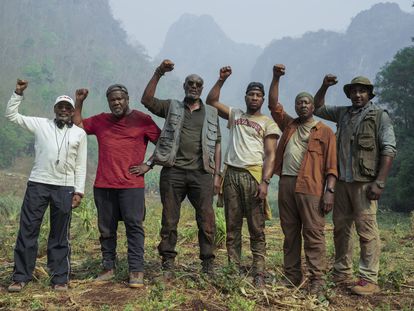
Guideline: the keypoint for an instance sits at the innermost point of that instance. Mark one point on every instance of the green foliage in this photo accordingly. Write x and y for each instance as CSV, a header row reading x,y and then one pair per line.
x,y
14,141
10,207
396,92
41,42
237,303
220,237
160,299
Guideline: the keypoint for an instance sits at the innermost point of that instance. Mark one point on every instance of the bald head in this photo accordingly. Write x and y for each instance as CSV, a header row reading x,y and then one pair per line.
x,y
193,86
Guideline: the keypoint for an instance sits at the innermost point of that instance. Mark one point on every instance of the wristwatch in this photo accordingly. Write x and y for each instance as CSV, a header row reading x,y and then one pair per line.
x,y
267,181
331,190
380,184
150,163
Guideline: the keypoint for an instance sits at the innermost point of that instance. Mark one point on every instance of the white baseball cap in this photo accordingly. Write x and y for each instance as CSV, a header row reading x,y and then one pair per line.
x,y
65,98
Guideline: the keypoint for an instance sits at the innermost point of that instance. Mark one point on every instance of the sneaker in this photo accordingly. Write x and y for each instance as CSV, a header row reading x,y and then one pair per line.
x,y
16,287
365,288
258,281
207,266
136,279
106,275
60,287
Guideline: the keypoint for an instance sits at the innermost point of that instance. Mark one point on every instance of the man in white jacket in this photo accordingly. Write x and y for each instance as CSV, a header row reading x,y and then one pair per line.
x,y
57,178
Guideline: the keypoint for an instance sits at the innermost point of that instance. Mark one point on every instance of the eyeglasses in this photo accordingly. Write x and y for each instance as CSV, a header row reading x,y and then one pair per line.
x,y
197,84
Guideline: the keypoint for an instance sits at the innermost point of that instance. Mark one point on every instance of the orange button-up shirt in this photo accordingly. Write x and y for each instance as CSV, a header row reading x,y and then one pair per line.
x,y
320,157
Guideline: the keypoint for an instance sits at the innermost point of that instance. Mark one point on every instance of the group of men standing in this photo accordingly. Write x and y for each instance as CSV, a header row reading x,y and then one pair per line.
x,y
318,172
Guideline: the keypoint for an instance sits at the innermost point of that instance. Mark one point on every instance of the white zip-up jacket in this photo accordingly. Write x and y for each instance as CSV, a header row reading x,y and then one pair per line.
x,y
60,154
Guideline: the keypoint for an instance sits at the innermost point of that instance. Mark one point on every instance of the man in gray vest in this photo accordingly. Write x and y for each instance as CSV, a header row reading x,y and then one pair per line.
x,y
189,149
366,148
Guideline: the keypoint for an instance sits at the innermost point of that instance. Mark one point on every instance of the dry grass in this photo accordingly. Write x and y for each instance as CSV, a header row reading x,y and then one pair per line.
x,y
190,290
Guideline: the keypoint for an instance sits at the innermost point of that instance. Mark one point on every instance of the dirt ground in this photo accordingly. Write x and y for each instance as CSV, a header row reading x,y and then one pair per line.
x,y
191,290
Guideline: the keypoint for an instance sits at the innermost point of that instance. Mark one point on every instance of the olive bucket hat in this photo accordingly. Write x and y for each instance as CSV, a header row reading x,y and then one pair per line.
x,y
361,81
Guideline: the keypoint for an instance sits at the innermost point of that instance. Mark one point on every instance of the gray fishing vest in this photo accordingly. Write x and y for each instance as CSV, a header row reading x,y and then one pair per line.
x,y
364,144
169,140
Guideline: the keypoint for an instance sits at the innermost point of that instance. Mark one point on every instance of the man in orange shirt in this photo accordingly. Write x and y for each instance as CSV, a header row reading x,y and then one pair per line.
x,y
306,164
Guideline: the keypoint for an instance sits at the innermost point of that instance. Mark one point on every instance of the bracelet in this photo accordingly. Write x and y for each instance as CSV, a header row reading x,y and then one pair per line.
x,y
159,72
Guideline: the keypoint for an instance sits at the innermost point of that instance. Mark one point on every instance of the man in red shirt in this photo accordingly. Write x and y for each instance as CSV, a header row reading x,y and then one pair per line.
x,y
122,137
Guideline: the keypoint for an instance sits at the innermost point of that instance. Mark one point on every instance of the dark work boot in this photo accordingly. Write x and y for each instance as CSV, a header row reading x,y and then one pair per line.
x,y
207,266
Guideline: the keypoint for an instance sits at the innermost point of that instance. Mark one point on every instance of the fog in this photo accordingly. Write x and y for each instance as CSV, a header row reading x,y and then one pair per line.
x,y
256,22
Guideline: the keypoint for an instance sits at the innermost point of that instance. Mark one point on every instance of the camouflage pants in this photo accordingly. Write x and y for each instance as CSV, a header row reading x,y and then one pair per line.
x,y
353,207
240,189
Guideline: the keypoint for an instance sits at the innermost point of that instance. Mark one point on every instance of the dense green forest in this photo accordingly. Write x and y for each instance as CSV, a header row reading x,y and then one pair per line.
x,y
396,92
59,46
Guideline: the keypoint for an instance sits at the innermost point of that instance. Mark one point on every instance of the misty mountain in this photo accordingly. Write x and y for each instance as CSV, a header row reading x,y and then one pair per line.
x,y
59,46
63,45
371,40
196,44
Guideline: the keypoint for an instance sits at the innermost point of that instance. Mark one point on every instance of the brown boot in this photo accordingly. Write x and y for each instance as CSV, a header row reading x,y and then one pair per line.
x,y
316,288
168,266
136,279
344,281
16,287
365,288
106,275
259,281
60,287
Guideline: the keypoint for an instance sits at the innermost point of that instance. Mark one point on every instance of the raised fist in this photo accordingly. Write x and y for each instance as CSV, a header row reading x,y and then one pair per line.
x,y
279,70
81,94
330,80
225,72
166,66
21,85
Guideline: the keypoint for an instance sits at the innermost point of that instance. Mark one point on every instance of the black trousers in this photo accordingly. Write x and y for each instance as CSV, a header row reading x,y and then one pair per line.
x,y
128,205
36,200
197,185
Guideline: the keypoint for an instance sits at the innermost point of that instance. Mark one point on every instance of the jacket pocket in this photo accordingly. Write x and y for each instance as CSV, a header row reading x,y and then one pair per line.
x,y
366,141
315,145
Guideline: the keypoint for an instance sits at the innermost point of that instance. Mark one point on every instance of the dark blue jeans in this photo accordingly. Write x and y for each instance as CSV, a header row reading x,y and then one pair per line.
x,y
126,205
36,200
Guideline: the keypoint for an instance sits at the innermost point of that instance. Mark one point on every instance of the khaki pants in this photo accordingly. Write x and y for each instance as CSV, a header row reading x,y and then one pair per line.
x,y
353,206
240,189
301,215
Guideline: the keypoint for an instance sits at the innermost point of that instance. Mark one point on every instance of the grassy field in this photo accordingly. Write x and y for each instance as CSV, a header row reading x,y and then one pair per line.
x,y
190,290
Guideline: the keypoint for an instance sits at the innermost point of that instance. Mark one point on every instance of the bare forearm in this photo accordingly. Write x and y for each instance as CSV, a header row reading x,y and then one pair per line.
x,y
319,99
385,167
213,100
150,89
77,116
217,158
214,94
330,181
274,93
270,157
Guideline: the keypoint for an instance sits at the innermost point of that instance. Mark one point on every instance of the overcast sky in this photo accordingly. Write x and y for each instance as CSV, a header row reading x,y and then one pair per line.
x,y
257,22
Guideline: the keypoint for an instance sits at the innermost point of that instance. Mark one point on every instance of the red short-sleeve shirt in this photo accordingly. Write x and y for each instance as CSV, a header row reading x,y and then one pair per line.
x,y
122,143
